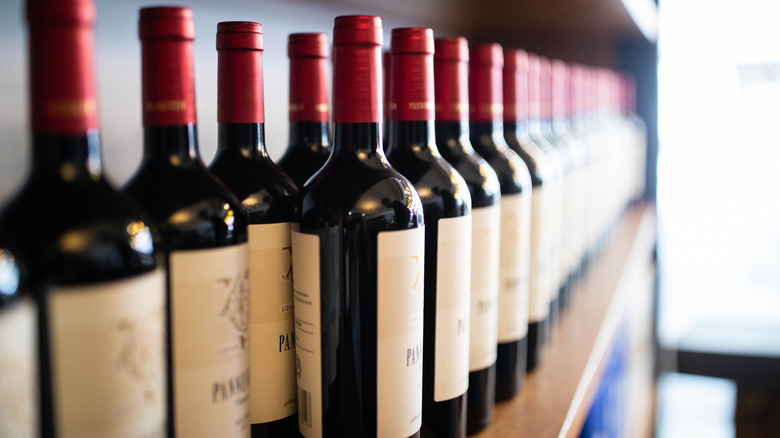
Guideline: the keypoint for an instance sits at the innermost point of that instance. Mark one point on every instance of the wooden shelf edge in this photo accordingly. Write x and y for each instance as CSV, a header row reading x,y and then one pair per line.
x,y
640,250
557,395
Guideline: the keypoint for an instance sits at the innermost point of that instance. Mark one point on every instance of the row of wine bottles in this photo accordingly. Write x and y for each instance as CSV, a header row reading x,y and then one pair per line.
x,y
248,298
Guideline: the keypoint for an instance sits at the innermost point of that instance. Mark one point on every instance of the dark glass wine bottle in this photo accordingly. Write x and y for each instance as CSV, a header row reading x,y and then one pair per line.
x,y
516,114
447,209
487,137
450,63
101,293
18,342
538,122
202,234
267,197
358,256
309,142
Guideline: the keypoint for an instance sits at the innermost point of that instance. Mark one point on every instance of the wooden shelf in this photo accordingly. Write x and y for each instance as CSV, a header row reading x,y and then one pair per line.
x,y
557,396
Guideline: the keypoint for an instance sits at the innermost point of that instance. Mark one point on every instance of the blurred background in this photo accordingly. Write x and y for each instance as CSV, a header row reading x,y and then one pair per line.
x,y
708,75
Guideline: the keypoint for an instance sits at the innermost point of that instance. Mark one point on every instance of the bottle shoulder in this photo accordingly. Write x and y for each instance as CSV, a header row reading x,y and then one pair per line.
x,y
265,192
439,185
189,206
80,233
359,191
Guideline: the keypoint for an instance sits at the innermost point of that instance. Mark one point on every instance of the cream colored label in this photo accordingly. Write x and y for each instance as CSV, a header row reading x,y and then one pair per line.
x,y
556,265
308,345
453,277
486,222
210,319
273,393
19,368
400,270
108,358
514,266
541,276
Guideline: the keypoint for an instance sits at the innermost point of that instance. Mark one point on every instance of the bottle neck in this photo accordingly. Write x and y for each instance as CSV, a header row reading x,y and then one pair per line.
x,y
309,135
70,158
247,139
453,135
174,145
362,138
413,136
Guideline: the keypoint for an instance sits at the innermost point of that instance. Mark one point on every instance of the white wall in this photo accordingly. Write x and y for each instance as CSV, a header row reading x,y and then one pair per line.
x,y
118,74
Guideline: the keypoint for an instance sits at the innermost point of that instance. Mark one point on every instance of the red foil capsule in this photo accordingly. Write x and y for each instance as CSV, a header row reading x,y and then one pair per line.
x,y
558,79
357,42
451,86
308,53
386,62
533,87
412,74
485,76
167,73
515,85
240,72
62,78
545,88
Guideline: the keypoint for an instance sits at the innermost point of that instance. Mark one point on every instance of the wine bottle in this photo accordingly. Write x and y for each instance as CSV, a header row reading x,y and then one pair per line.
x,y
558,149
202,234
358,256
574,195
309,143
101,292
267,197
447,209
18,343
450,63
538,123
516,114
487,137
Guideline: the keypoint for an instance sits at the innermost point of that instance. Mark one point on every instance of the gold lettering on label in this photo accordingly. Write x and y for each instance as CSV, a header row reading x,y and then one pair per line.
x,y
71,108
321,107
296,107
492,108
165,106
420,105
393,106
460,106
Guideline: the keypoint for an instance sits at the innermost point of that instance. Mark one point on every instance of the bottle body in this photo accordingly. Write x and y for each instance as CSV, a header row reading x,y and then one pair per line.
x,y
97,282
267,197
486,132
358,253
447,209
202,237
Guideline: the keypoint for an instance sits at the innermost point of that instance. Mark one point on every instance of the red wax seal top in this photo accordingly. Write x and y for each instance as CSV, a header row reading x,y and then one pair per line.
x,y
308,54
485,76
534,101
62,84
240,72
451,70
515,85
412,74
357,40
559,81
